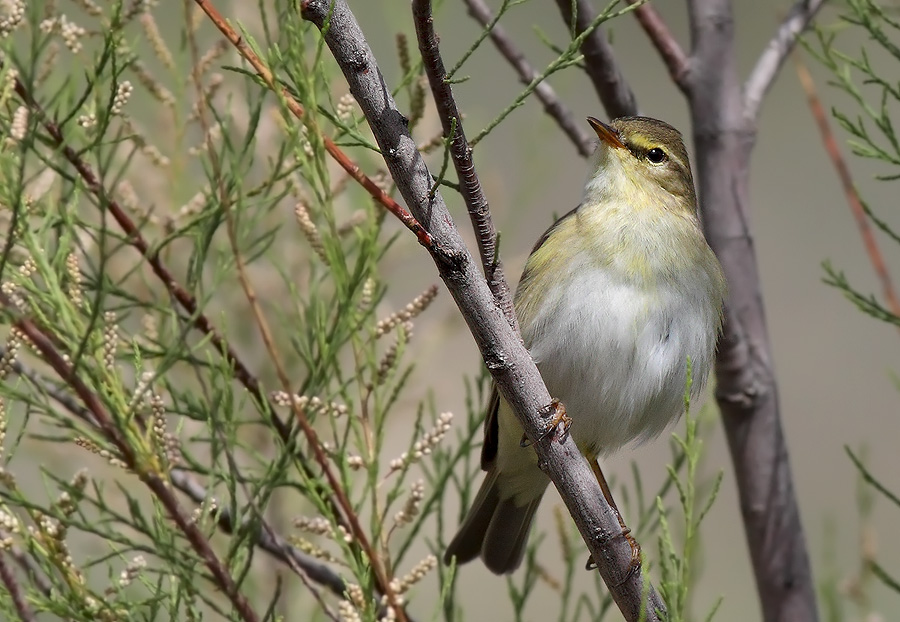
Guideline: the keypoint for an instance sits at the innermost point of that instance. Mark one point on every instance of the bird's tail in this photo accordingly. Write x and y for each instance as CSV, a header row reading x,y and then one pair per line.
x,y
495,528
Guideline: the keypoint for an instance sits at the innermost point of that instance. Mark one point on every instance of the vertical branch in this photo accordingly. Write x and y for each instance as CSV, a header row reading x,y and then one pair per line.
x,y
461,153
747,391
724,129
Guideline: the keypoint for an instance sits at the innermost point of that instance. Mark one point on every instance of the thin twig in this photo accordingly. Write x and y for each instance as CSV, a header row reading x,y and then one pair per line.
x,y
305,566
600,61
665,43
26,614
184,481
553,106
461,152
772,58
853,201
297,110
136,239
28,566
501,347
43,342
225,202
382,578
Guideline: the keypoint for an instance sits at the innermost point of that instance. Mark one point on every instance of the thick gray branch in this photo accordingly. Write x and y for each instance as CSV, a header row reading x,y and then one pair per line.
x,y
501,348
770,61
600,61
746,390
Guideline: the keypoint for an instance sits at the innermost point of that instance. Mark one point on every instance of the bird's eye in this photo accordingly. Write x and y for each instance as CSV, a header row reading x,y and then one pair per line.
x,y
657,155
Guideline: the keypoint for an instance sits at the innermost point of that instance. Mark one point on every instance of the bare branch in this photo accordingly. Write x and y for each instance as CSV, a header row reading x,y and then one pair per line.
x,y
609,83
501,347
853,201
770,61
665,43
553,106
461,153
746,388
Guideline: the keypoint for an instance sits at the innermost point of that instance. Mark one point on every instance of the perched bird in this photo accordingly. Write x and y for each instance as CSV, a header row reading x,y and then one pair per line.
x,y
616,297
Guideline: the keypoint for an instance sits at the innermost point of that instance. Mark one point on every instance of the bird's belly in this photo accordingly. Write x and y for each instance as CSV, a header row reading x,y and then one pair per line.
x,y
615,352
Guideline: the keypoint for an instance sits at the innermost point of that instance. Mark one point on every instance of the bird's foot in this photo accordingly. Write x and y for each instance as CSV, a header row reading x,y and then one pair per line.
x,y
555,411
633,565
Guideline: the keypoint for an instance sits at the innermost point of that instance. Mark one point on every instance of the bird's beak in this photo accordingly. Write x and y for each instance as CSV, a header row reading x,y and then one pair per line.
x,y
606,133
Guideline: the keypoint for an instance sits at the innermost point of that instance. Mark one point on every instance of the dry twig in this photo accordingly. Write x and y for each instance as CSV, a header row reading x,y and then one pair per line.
x,y
853,201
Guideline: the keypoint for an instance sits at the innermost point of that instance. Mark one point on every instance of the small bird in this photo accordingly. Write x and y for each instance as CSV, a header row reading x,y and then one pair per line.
x,y
616,297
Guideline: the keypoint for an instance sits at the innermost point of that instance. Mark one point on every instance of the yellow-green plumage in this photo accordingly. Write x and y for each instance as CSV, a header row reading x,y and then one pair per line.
x,y
614,300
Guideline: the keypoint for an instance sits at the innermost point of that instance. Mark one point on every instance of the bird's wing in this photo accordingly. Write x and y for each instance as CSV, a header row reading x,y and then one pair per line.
x,y
491,422
550,229
491,430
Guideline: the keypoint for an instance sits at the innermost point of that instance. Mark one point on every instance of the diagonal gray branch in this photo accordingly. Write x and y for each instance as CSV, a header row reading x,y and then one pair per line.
x,y
501,348
600,61
553,106
772,58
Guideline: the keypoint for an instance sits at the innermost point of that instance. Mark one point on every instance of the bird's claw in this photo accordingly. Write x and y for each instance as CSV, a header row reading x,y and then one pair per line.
x,y
555,411
635,557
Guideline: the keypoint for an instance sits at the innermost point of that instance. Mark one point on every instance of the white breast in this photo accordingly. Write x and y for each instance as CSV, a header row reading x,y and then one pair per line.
x,y
615,351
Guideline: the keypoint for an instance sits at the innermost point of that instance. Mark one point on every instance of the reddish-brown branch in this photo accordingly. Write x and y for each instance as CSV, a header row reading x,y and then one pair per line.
x,y
305,566
297,110
187,302
225,202
43,341
853,201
